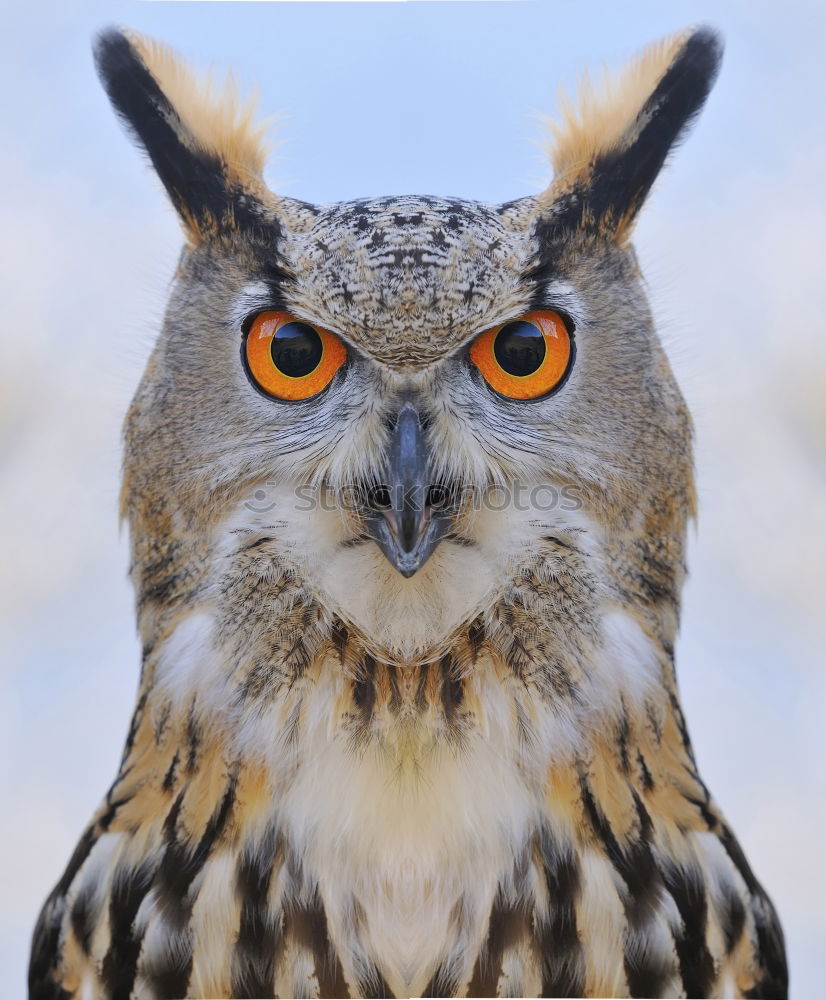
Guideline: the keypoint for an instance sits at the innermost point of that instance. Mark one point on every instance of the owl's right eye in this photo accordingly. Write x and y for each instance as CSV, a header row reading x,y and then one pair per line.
x,y
289,359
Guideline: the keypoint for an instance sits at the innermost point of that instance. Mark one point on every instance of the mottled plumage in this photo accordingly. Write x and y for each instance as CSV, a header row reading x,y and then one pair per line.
x,y
475,780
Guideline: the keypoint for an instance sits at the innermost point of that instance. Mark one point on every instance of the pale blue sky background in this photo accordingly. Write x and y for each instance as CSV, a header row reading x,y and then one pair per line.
x,y
380,98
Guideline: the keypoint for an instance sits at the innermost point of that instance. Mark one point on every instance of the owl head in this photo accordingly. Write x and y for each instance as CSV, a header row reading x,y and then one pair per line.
x,y
406,407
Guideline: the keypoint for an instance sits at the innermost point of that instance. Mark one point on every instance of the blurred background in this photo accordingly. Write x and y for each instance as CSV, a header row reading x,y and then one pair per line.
x,y
442,98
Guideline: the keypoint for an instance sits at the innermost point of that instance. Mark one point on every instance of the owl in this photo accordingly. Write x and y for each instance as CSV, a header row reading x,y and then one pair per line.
x,y
407,482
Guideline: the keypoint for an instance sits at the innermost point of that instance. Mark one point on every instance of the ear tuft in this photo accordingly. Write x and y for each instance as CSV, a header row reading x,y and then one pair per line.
x,y
219,122
613,140
202,140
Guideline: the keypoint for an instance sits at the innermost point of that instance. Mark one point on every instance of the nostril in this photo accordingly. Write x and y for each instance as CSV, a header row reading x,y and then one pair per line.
x,y
378,497
437,496
443,497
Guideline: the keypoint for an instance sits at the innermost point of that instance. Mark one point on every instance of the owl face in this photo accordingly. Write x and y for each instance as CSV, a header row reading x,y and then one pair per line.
x,y
354,387
408,312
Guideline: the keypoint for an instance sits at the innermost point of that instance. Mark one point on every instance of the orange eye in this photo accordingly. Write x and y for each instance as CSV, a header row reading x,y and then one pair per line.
x,y
290,359
526,358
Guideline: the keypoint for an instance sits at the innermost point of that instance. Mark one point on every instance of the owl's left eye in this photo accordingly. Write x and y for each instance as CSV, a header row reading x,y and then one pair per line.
x,y
290,359
526,358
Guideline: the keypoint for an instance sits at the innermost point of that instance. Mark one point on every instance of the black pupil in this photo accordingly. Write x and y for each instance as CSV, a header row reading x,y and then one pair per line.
x,y
296,349
519,348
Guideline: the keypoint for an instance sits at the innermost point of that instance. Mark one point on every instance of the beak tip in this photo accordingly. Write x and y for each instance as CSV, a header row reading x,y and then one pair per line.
x,y
407,561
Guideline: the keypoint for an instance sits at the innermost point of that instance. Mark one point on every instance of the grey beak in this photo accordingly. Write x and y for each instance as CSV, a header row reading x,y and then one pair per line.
x,y
407,529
